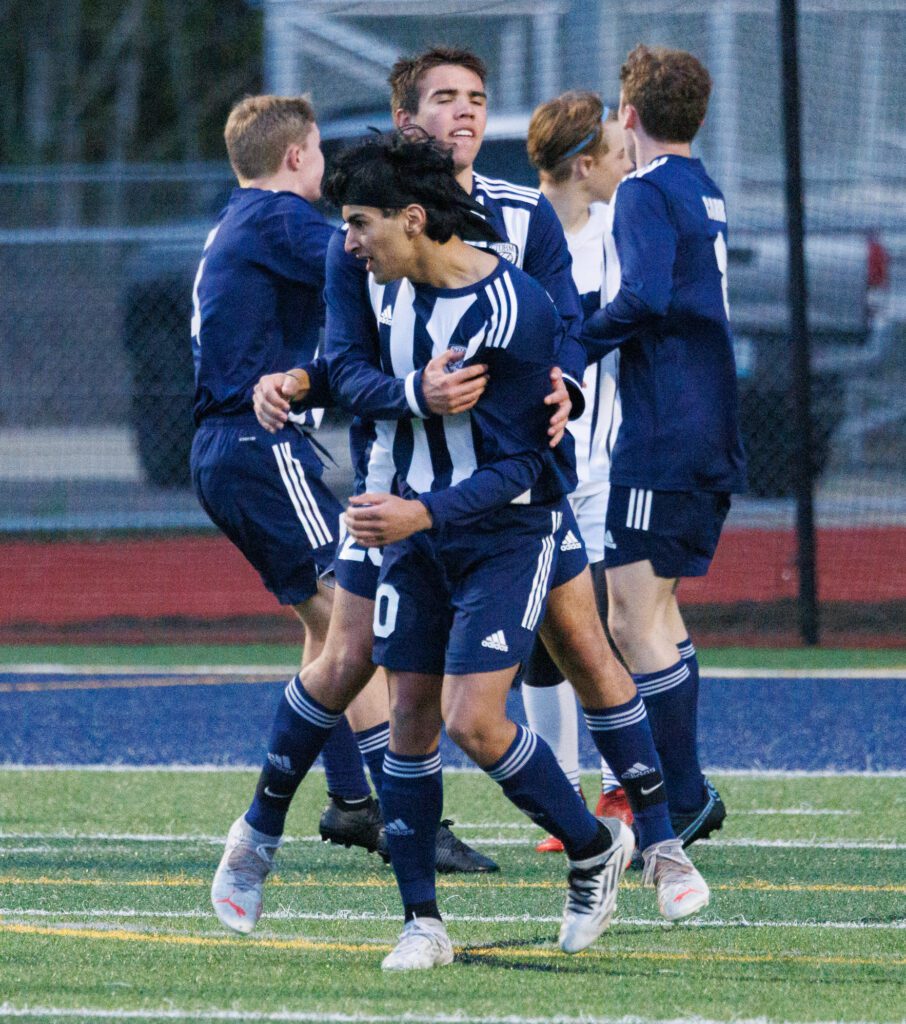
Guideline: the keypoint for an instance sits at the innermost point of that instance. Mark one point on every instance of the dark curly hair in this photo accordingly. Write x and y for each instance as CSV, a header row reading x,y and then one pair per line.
x,y
393,170
669,89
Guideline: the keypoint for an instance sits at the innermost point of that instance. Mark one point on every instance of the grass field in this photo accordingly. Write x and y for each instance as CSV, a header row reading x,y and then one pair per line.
x,y
104,912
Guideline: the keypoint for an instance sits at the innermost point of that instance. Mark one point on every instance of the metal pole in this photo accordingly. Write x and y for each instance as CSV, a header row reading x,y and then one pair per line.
x,y
801,357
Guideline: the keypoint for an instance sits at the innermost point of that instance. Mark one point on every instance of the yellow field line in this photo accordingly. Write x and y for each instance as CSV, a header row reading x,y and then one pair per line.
x,y
176,881
509,952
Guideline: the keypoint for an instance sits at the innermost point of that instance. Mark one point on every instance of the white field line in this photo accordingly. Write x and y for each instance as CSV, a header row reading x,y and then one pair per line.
x,y
282,671
493,841
728,773
9,1011
12,914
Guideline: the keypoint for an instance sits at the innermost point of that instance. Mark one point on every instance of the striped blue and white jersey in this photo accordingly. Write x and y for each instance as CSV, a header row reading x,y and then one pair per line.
x,y
532,240
465,466
597,275
670,317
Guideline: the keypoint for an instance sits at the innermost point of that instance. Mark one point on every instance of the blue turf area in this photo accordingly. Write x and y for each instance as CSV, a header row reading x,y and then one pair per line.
x,y
814,724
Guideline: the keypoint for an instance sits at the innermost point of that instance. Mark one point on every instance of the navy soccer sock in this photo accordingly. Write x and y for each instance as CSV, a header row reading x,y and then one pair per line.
x,y
690,659
343,765
623,737
301,727
670,698
530,777
373,745
412,798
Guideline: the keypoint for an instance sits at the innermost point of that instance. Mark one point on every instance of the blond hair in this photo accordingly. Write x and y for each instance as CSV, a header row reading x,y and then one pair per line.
x,y
259,130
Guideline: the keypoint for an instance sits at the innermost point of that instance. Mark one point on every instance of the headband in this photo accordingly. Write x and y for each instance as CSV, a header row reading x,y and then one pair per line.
x,y
582,143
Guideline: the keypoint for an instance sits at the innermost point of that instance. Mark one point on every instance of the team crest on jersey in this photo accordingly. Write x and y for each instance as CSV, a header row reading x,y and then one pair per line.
x,y
508,250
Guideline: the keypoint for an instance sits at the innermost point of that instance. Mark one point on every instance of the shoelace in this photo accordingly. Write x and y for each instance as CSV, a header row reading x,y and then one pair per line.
x,y
411,935
248,865
674,854
582,885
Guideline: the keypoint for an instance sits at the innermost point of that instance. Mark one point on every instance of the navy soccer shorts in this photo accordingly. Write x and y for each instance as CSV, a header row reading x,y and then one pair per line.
x,y
357,568
265,493
572,557
465,600
677,531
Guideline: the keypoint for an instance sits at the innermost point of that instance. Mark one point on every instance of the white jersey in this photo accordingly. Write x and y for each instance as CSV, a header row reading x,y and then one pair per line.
x,y
596,272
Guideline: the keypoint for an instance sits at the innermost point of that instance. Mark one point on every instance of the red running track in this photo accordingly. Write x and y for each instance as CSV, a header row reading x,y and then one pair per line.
x,y
69,582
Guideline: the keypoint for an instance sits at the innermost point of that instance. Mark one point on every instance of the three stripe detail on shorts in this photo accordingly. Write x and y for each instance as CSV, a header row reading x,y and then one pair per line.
x,y
542,574
300,495
639,514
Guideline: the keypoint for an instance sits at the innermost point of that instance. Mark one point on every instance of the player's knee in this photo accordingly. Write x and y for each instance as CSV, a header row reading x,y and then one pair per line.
x,y
340,673
413,725
473,733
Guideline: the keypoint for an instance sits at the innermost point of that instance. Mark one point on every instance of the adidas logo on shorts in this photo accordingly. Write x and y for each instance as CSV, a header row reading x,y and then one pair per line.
x,y
570,542
609,542
386,316
496,641
398,827
637,771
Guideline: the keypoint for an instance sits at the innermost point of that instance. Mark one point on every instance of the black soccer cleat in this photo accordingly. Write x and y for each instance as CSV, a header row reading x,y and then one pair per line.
x,y
694,825
701,823
451,855
359,826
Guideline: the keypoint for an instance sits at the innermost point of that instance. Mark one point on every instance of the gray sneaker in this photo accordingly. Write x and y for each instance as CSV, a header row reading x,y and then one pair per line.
x,y
592,895
423,944
236,892
681,890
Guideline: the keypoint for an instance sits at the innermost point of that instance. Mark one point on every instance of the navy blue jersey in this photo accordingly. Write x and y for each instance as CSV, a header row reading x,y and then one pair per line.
x,y
680,428
257,305
466,465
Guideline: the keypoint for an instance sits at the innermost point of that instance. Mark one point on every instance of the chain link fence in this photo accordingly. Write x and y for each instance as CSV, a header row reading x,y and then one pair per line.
x,y
95,411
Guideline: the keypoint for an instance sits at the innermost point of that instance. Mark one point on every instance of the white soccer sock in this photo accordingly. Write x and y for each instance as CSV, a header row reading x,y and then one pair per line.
x,y
551,713
609,781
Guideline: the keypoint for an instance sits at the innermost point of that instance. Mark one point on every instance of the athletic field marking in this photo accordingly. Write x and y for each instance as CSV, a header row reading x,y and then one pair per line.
x,y
318,945
368,915
301,1017
279,672
132,837
184,881
127,683
590,769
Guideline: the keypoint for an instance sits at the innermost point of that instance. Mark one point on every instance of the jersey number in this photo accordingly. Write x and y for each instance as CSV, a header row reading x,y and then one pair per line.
x,y
196,304
352,552
386,605
720,253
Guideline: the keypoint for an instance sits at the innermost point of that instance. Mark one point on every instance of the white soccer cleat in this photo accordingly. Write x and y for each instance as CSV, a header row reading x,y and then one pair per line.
x,y
236,892
681,890
423,944
592,896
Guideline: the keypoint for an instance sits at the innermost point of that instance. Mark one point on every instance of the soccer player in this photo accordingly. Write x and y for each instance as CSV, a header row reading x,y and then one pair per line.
x,y
577,145
256,306
480,510
678,454
442,92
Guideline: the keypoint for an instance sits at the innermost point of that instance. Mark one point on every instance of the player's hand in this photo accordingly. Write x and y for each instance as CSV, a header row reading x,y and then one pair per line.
x,y
560,398
448,393
378,519
273,394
